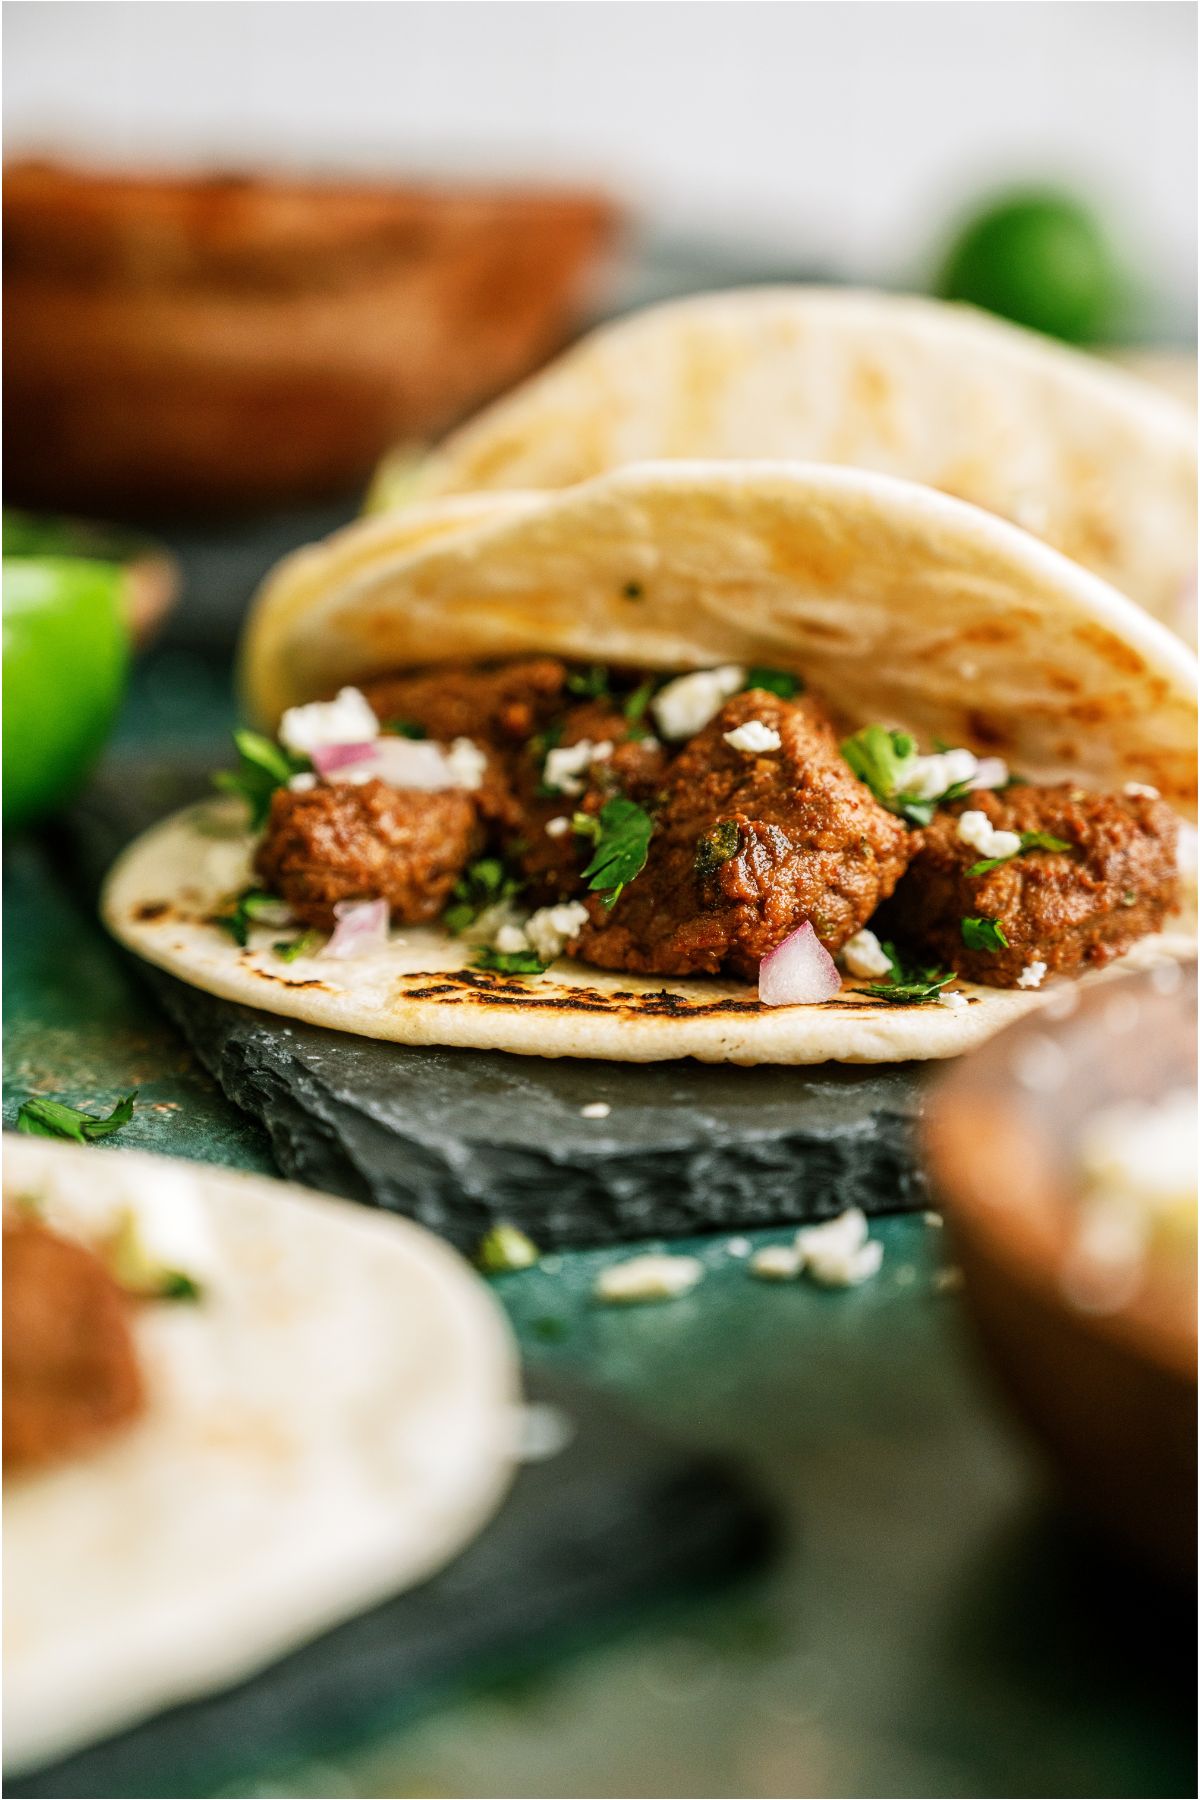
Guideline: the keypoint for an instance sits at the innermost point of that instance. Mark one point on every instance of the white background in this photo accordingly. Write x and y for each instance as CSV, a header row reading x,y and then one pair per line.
x,y
841,133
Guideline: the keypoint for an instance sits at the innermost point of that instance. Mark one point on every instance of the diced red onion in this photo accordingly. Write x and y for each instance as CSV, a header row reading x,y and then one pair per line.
x,y
328,757
798,972
362,926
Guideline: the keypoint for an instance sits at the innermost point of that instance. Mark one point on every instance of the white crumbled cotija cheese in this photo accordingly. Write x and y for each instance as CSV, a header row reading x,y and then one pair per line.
x,y
595,1109
776,1262
685,705
953,1000
1140,790
846,1268
976,829
566,766
1032,975
510,940
300,784
863,955
346,720
549,929
990,773
738,1246
558,827
753,737
928,777
466,762
847,1232
649,1277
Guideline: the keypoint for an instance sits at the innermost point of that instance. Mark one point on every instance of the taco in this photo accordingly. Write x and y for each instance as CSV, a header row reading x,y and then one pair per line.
x,y
203,1468
624,771
1085,456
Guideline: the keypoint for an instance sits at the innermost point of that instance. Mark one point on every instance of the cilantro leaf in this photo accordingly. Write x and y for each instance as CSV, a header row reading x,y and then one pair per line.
x,y
1030,840
621,848
635,707
907,985
50,1118
882,759
482,884
404,728
984,934
287,950
774,681
255,903
589,684
263,767
716,846
510,962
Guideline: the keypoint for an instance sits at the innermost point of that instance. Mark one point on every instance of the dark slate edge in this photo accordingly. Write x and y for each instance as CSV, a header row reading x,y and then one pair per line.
x,y
619,1519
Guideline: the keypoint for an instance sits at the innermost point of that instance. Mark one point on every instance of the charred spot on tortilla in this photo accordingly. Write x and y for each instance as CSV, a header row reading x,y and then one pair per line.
x,y
150,910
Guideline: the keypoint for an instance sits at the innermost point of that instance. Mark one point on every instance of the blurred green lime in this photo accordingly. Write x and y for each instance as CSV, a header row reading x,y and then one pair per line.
x,y
66,649
1042,258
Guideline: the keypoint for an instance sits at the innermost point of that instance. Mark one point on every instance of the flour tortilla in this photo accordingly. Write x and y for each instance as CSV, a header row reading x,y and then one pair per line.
x,y
1096,462
896,603
330,1424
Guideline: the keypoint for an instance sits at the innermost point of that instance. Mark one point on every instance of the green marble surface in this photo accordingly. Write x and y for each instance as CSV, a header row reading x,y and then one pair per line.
x,y
931,1626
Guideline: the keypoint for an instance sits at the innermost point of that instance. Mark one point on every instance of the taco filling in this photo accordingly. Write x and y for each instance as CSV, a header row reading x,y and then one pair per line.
x,y
682,825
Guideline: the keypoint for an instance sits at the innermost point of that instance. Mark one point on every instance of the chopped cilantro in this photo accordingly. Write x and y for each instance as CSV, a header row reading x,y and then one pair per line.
x,y
984,934
405,728
255,903
263,767
716,846
774,681
288,949
482,884
505,1247
1030,840
510,962
589,684
50,1118
884,760
907,985
586,825
621,847
635,707
178,1286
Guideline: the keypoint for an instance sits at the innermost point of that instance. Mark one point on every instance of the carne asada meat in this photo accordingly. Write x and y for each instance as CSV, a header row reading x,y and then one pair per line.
x,y
632,763
70,1369
505,705
1065,909
748,844
346,841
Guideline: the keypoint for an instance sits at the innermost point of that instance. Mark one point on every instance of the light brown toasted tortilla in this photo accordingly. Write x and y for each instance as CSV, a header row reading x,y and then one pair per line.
x,y
1096,462
896,604
328,1424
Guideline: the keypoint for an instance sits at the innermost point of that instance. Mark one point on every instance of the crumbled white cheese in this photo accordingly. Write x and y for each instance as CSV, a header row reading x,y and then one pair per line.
x,y
486,929
928,777
551,927
776,1262
567,765
595,1109
686,705
346,720
846,1268
1140,790
300,784
953,1000
845,1233
754,737
1032,975
976,829
542,1431
992,772
650,1277
510,940
466,762
558,827
864,956
738,1246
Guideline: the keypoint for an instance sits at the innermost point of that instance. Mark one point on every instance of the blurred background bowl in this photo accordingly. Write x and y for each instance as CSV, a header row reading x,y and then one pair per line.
x,y
206,344
1100,1361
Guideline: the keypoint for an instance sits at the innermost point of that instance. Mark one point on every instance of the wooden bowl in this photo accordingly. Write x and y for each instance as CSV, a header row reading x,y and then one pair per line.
x,y
215,344
1107,1382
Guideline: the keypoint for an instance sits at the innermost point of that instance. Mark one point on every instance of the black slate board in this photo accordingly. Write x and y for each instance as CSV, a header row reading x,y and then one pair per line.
x,y
459,1138
617,1520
